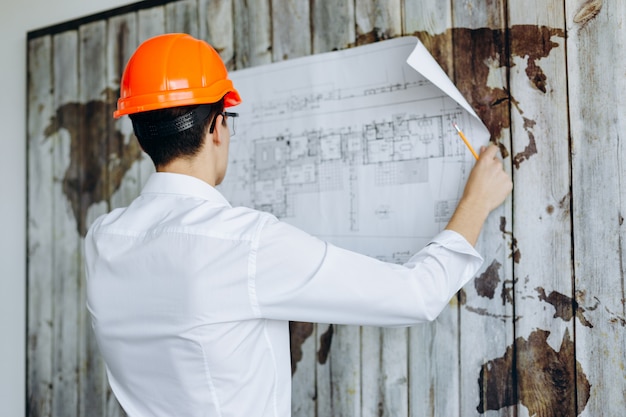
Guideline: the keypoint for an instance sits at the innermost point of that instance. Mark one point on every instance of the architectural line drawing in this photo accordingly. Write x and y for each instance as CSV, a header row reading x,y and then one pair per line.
x,y
368,160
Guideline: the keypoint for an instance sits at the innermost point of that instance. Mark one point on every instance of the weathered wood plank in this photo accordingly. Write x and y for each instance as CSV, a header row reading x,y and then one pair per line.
x,y
433,367
150,22
302,338
596,61
40,230
67,241
377,20
433,352
182,17
540,155
431,22
486,313
291,29
395,373
92,161
334,25
216,27
372,396
325,334
124,151
253,35
345,367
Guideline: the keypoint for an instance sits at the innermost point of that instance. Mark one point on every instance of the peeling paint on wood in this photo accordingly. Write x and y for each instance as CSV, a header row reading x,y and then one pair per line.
x,y
472,72
565,307
487,282
515,252
531,148
325,341
299,332
86,156
546,378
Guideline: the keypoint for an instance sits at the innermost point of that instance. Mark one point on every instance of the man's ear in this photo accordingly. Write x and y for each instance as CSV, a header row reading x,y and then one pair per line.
x,y
216,135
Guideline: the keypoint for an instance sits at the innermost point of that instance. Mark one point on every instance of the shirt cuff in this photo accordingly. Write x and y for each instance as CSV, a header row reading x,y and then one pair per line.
x,y
454,241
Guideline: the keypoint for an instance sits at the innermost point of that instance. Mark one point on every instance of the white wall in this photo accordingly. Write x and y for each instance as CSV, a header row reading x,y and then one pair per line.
x,y
18,18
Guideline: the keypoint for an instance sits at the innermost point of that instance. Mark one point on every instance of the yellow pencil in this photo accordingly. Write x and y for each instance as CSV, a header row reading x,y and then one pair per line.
x,y
465,140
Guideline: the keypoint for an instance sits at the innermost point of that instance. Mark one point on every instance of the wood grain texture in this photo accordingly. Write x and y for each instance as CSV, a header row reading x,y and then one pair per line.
x,y
303,363
67,241
124,151
150,22
372,396
40,349
323,382
486,318
334,26
433,352
291,29
182,17
216,27
431,22
377,20
345,375
253,35
91,155
540,155
596,60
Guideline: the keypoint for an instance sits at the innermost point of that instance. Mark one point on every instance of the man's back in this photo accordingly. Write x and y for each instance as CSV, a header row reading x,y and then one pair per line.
x,y
170,299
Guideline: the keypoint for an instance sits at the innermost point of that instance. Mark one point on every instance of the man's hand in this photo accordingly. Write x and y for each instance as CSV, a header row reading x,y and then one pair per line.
x,y
487,187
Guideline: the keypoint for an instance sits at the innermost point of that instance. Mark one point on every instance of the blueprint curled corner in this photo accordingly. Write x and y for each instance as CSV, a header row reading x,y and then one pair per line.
x,y
423,62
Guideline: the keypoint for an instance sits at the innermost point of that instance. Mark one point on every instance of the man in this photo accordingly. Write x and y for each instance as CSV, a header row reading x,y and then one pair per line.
x,y
190,298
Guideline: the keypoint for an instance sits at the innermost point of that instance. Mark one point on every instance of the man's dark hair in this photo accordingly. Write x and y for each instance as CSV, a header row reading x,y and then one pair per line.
x,y
160,134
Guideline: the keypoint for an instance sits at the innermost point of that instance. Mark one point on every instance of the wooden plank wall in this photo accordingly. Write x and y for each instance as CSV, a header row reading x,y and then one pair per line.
x,y
542,329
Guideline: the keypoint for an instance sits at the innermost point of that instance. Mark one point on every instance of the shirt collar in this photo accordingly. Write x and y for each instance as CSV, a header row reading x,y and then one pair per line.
x,y
180,184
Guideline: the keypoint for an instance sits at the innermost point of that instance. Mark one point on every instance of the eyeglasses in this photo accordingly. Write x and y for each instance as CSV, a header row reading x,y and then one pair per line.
x,y
226,115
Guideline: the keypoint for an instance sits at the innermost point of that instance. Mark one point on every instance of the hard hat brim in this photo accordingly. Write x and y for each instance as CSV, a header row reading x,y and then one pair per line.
x,y
178,98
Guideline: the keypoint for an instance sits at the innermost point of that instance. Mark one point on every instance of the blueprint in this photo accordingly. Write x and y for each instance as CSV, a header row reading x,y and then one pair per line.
x,y
356,147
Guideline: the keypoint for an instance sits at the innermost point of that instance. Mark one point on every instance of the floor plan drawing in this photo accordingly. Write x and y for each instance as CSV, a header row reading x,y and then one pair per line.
x,y
356,147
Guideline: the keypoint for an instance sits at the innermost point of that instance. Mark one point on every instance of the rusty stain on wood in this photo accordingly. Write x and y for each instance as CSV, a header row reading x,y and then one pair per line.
x,y
86,157
587,11
565,307
474,48
325,342
375,35
507,291
531,148
488,281
515,252
547,379
299,332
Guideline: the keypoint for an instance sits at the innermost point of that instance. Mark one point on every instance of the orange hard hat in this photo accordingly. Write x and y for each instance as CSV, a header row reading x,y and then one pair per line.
x,y
174,70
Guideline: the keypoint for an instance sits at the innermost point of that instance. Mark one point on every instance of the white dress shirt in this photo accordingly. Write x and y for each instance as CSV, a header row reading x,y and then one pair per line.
x,y
190,298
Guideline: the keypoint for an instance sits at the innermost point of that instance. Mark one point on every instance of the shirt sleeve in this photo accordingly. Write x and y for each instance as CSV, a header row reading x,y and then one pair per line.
x,y
301,278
